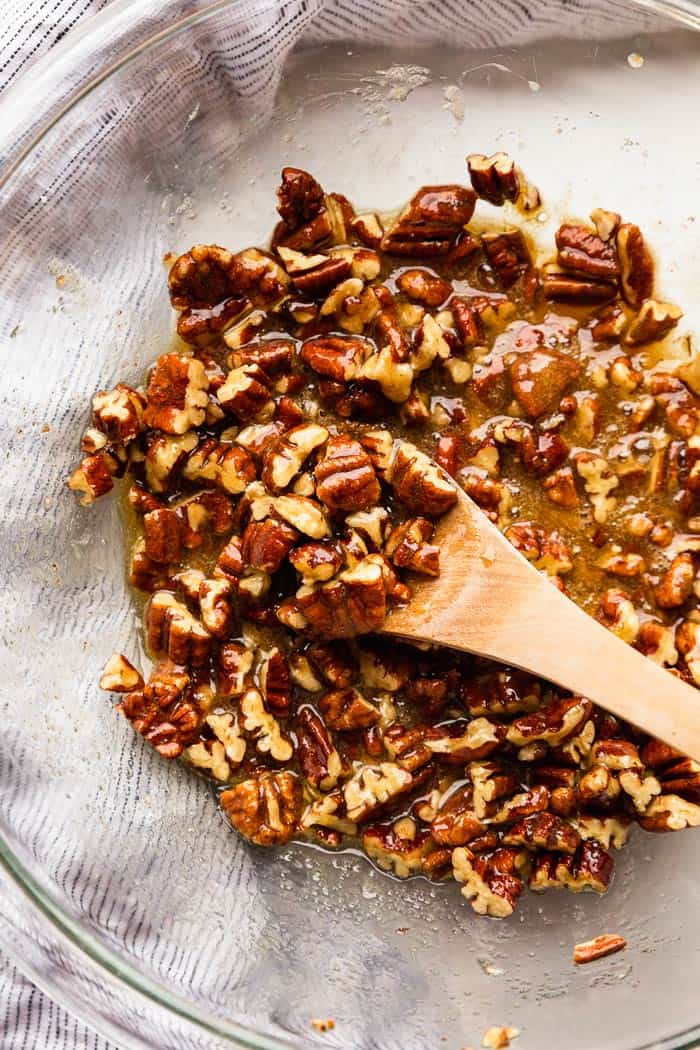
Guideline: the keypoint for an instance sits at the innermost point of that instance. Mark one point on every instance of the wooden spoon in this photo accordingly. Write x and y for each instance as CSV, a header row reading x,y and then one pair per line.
x,y
489,600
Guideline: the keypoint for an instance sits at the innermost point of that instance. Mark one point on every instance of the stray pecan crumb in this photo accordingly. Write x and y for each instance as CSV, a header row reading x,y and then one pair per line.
x,y
598,948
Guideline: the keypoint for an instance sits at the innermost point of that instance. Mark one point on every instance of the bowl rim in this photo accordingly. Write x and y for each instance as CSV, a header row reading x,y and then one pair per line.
x,y
46,90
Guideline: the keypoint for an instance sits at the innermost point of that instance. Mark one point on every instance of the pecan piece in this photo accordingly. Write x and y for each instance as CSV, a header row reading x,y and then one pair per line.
x,y
509,255
118,413
347,710
540,377
676,585
598,948
221,464
489,882
246,395
399,847
166,711
543,831
93,478
636,265
337,356
265,544
353,603
319,759
552,724
431,221
120,675
495,178
653,322
424,287
171,628
345,478
215,607
408,547
235,665
263,727
299,197
176,395
569,288
455,822
583,252
371,787
670,813
163,534
284,460
419,483
265,808
560,488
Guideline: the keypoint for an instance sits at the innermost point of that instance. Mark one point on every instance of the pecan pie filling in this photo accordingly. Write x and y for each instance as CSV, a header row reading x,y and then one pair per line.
x,y
281,491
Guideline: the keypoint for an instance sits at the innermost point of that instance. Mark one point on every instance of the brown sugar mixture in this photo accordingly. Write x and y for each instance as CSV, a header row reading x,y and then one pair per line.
x,y
280,486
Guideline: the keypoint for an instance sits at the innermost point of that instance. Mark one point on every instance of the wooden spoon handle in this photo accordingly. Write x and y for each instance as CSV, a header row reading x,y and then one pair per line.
x,y
489,600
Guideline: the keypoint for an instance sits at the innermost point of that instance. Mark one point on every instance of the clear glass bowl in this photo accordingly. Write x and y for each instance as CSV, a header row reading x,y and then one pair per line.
x,y
123,893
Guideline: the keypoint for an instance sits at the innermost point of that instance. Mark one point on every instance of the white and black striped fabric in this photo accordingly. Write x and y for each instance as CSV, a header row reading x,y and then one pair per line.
x,y
29,28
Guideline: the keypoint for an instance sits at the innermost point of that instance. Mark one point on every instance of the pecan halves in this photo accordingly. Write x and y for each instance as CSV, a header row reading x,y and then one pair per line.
x,y
509,256
317,755
636,265
265,808
490,882
431,221
419,483
582,252
176,395
345,478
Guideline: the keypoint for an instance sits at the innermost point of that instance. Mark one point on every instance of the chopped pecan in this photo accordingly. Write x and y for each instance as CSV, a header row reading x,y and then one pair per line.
x,y
591,867
387,670
419,483
171,628
618,613
455,822
509,255
120,675
424,287
408,547
524,804
245,394
176,395
215,607
222,464
552,723
118,413
598,788
372,786
670,813
459,741
145,574
93,478
319,759
653,322
560,488
273,356
656,641
489,882
299,196
345,478
275,682
368,229
598,948
226,749
431,221
540,377
495,178
353,603
636,265
263,727
317,561
347,709
265,808
543,831
599,481
583,252
163,534
235,666
399,847
165,456
283,460
501,693
166,711
335,662
314,275
621,563
339,357
301,512
265,544
676,585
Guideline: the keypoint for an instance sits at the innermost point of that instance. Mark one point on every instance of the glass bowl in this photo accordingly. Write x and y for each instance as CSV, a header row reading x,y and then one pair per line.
x,y
124,895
